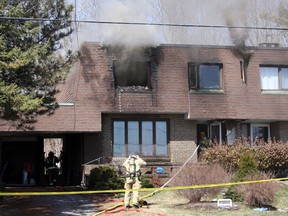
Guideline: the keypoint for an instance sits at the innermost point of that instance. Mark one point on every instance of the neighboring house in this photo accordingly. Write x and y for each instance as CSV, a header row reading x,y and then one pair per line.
x,y
154,102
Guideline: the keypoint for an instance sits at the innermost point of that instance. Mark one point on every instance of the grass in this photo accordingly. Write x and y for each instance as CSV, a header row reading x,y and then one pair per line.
x,y
169,204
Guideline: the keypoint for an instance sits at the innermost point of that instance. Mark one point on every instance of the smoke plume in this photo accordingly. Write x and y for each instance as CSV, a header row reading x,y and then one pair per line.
x,y
127,35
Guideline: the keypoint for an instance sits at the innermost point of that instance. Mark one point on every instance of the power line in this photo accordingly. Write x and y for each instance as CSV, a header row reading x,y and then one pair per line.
x,y
144,23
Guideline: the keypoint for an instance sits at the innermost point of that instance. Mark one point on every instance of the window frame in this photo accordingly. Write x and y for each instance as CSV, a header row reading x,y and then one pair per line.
x,y
279,74
140,152
195,85
127,74
222,132
257,126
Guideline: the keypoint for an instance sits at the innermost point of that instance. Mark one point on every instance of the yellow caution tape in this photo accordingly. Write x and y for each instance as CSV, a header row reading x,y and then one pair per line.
x,y
141,189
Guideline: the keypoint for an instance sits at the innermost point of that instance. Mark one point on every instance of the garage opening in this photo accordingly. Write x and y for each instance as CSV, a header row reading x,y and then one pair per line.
x,y
20,161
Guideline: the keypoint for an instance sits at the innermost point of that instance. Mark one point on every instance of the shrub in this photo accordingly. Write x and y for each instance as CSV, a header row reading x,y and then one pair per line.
x,y
146,183
273,157
247,166
104,178
232,194
270,157
258,194
199,175
227,156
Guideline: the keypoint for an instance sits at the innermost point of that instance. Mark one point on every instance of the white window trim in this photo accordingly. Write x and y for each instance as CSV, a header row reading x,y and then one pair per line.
x,y
258,125
220,130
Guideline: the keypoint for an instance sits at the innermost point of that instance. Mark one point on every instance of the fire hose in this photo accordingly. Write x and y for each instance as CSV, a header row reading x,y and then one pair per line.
x,y
154,192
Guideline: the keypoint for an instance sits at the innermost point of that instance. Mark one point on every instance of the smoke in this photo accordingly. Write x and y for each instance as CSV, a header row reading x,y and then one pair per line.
x,y
236,14
231,13
128,42
127,35
198,12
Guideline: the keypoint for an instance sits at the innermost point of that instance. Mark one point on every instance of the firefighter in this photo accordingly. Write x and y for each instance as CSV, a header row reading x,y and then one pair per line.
x,y
204,143
52,168
132,166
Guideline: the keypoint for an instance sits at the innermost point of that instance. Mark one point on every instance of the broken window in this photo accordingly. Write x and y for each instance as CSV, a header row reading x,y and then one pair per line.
x,y
243,71
260,131
274,77
204,76
146,138
132,74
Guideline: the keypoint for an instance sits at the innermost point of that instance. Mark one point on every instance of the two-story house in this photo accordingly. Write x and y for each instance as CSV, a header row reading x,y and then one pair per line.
x,y
154,102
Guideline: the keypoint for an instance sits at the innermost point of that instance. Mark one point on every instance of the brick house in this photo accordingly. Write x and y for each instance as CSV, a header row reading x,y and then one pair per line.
x,y
154,102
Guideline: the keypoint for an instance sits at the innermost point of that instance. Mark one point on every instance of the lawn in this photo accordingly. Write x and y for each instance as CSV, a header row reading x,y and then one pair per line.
x,y
168,203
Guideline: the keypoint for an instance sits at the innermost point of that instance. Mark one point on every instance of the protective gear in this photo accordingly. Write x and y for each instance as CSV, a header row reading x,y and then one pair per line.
x,y
52,168
133,179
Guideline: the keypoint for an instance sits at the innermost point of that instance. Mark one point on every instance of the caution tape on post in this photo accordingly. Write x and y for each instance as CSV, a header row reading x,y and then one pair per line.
x,y
141,189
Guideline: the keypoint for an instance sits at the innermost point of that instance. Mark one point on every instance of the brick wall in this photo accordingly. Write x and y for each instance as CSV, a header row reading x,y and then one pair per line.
x,y
92,90
183,139
182,135
283,134
93,146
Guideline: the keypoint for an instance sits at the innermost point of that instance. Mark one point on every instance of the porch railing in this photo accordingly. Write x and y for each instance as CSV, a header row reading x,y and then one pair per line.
x,y
83,182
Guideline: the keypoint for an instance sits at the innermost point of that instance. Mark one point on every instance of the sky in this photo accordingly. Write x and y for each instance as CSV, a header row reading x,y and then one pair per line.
x,y
212,13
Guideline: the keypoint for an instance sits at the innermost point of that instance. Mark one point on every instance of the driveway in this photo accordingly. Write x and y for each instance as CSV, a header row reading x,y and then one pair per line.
x,y
48,205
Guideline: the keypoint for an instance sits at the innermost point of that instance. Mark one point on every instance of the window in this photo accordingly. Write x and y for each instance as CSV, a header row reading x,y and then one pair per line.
x,y
218,132
204,76
146,138
260,131
274,77
132,73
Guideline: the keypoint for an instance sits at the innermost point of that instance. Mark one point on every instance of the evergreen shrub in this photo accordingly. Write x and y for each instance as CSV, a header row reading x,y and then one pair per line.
x,y
247,166
104,178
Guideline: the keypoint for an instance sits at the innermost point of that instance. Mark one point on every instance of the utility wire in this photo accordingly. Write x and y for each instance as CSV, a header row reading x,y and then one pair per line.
x,y
144,23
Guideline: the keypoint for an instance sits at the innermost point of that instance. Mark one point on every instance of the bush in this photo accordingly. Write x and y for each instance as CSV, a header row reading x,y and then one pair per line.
x,y
104,178
146,183
273,157
199,175
232,194
247,166
270,157
258,194
227,156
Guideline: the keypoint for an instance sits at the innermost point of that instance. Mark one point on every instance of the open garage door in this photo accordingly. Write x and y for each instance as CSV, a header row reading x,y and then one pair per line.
x,y
21,162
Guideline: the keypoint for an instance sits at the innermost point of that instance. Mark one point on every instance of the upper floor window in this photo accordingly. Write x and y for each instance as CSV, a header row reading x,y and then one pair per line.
x,y
204,76
132,74
274,77
146,138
